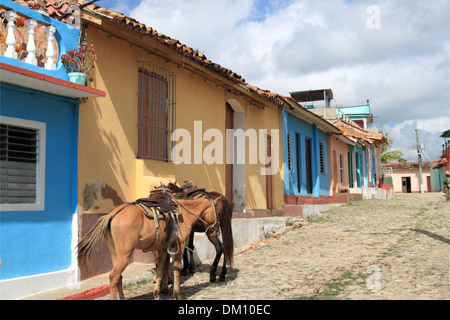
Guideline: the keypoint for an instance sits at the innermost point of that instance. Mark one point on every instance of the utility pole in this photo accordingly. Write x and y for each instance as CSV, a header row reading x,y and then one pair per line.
x,y
419,155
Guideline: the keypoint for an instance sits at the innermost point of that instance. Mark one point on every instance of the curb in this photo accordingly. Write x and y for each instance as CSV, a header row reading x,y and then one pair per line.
x,y
90,294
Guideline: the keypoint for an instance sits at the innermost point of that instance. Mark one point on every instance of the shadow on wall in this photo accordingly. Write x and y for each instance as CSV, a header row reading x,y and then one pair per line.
x,y
97,191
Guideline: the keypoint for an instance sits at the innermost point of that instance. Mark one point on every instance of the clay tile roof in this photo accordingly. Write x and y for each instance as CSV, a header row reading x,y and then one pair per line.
x,y
415,165
57,8
407,165
351,130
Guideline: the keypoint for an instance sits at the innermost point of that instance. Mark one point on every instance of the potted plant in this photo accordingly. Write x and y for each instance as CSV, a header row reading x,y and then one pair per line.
x,y
78,62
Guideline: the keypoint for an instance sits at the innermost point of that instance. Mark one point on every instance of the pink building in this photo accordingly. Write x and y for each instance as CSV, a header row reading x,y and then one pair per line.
x,y
338,163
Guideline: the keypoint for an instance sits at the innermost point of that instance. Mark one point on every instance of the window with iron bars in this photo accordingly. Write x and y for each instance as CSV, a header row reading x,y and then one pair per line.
x,y
156,111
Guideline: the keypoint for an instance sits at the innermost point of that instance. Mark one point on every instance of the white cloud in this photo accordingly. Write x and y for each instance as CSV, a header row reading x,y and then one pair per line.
x,y
200,24
291,45
404,136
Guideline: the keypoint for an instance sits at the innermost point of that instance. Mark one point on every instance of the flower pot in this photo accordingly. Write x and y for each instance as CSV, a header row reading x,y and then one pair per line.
x,y
77,77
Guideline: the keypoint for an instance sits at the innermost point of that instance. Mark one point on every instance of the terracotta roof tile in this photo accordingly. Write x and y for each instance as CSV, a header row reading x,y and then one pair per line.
x,y
352,130
415,165
405,165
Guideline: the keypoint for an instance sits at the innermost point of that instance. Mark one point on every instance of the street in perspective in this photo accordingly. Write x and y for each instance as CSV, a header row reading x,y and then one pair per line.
x,y
369,249
295,157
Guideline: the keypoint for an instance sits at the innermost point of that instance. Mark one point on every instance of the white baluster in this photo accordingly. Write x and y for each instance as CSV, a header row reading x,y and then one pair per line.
x,y
10,38
31,47
50,65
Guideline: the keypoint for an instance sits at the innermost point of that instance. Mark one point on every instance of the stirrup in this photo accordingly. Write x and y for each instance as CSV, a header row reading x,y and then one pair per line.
x,y
178,249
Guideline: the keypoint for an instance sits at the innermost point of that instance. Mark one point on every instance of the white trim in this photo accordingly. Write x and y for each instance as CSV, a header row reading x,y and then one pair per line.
x,y
40,82
22,287
73,246
239,167
40,179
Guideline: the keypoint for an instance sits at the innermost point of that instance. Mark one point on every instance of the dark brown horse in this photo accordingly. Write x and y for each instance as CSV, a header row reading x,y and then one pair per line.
x,y
128,227
224,213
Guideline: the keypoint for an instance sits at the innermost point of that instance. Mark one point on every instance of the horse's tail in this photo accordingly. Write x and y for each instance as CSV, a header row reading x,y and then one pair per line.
x,y
227,232
90,239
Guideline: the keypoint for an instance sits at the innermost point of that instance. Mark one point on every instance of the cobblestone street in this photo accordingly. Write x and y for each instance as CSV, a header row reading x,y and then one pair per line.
x,y
371,249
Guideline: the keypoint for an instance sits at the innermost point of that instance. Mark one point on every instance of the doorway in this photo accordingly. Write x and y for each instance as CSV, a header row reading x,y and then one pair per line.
x,y
406,184
350,169
298,160
229,166
269,185
235,170
428,183
308,165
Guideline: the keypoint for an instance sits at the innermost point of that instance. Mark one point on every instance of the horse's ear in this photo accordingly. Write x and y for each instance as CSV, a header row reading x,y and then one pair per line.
x,y
175,183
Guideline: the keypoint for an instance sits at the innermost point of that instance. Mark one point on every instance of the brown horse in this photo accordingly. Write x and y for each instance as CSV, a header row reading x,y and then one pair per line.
x,y
224,212
127,228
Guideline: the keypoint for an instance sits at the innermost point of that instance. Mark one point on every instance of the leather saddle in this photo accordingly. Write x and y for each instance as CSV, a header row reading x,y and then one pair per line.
x,y
162,201
163,207
187,191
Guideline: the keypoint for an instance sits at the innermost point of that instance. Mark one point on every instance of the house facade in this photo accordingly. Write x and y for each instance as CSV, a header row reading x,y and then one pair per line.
x,y
305,154
437,175
340,163
406,177
364,152
364,155
171,115
38,158
354,154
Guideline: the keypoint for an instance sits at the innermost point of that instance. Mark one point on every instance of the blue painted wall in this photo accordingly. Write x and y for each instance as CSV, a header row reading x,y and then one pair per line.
x,y
37,242
294,163
437,179
356,110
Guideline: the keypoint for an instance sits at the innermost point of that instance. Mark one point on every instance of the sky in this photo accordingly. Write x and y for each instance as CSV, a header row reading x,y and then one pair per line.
x,y
393,52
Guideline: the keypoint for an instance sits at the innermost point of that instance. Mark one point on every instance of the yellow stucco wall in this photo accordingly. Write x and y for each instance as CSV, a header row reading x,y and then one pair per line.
x,y
108,136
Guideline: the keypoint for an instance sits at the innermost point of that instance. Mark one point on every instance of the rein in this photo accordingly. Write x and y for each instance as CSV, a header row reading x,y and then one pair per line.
x,y
196,215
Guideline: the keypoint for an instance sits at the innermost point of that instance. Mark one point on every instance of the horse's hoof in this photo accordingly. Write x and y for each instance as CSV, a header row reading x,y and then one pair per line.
x,y
165,290
156,296
221,278
212,278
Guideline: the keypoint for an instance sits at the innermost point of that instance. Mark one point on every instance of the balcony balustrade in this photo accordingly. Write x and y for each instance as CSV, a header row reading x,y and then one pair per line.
x,y
343,116
34,41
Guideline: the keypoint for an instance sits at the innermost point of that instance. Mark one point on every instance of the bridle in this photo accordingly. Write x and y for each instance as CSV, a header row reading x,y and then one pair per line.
x,y
214,226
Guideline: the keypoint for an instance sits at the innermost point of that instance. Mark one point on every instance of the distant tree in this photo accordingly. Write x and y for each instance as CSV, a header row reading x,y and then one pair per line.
x,y
392,155
389,143
388,154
